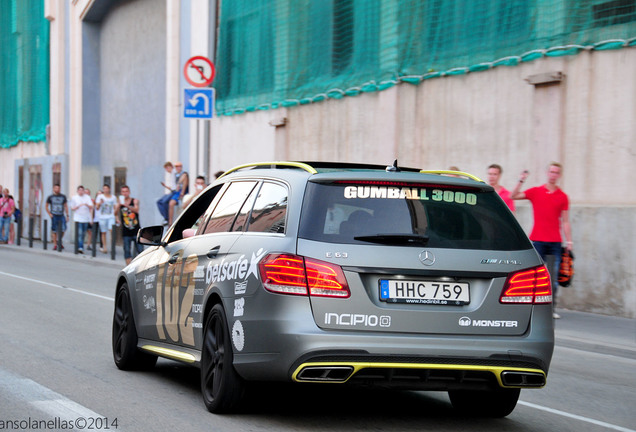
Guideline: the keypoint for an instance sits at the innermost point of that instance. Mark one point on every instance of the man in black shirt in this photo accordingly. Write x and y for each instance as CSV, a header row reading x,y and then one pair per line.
x,y
57,208
128,216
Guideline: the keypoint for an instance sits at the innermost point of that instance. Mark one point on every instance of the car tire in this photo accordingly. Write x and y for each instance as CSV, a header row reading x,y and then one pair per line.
x,y
221,386
485,403
125,352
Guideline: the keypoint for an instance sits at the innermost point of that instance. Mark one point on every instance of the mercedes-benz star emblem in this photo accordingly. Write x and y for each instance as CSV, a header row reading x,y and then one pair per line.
x,y
427,258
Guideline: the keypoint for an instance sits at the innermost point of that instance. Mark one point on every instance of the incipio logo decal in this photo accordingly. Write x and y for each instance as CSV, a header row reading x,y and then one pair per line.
x,y
363,320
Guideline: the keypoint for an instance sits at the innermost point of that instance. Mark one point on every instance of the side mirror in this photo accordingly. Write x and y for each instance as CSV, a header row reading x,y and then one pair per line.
x,y
150,236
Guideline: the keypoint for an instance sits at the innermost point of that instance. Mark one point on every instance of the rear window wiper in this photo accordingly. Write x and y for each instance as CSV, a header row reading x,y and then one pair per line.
x,y
396,239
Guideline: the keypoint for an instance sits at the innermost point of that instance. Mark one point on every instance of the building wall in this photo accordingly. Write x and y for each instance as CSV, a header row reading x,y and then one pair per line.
x,y
242,139
132,98
585,121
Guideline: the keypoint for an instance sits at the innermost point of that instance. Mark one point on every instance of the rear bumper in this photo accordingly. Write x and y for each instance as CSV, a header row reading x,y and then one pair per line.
x,y
399,361
293,348
421,376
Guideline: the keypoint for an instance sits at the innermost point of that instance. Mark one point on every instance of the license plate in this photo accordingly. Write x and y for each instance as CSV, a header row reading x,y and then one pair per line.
x,y
424,292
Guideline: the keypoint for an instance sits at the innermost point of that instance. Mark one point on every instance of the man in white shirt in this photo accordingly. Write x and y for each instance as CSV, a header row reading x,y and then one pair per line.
x,y
82,206
106,203
170,184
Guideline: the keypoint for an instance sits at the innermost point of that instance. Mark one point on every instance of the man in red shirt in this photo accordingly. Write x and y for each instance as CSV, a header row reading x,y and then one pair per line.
x,y
550,207
494,173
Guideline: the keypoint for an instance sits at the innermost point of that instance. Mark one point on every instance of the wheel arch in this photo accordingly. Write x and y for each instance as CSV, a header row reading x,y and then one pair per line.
x,y
121,280
212,299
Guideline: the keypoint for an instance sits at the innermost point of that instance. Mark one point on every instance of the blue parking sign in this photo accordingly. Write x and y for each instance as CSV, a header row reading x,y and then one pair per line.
x,y
198,103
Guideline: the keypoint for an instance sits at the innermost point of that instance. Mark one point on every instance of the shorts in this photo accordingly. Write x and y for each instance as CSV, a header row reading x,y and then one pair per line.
x,y
56,219
106,223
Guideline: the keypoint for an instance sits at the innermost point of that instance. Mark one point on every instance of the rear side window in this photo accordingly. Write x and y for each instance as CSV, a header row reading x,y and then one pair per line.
x,y
436,216
270,209
228,206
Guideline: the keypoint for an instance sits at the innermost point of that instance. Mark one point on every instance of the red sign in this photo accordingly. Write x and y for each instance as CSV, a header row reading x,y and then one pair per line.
x,y
199,71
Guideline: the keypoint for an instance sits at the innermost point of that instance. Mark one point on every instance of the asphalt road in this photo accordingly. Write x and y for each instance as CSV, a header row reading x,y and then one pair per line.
x,y
56,366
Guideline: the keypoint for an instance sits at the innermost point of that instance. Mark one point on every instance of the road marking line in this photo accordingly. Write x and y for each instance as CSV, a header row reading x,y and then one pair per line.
x,y
46,400
576,417
57,286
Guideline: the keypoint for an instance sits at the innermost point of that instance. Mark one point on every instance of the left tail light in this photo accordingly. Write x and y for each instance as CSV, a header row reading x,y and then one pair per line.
x,y
293,274
528,286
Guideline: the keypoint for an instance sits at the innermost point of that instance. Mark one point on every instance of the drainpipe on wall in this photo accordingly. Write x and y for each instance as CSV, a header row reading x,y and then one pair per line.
x,y
47,141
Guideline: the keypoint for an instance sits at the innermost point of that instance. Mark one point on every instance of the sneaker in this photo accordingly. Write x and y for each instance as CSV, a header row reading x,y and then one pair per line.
x,y
80,251
55,247
556,315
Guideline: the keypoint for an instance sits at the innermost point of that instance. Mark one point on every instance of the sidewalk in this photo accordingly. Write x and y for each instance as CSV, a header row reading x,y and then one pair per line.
x,y
595,332
68,253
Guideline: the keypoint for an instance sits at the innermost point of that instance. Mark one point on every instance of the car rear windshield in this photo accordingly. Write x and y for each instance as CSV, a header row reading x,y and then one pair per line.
x,y
436,216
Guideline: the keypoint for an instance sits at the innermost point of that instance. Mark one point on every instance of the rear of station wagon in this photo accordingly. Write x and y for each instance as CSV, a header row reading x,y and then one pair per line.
x,y
360,275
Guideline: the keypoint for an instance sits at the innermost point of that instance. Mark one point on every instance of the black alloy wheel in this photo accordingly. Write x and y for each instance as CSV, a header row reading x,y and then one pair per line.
x,y
221,386
125,352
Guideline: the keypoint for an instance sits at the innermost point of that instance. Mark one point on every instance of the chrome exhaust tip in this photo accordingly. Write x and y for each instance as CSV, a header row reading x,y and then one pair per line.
x,y
325,373
522,379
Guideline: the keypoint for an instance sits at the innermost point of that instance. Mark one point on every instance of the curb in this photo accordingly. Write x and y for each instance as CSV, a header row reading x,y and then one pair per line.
x,y
38,249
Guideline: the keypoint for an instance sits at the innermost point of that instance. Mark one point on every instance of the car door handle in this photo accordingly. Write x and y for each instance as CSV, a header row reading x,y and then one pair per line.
x,y
212,253
173,259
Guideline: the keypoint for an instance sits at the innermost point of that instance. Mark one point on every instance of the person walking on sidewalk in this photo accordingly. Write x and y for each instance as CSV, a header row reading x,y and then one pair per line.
x,y
105,204
57,208
128,217
7,207
550,207
89,231
82,206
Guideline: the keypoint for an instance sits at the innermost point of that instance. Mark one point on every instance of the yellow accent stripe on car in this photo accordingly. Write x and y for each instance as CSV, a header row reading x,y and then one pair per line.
x,y
170,353
300,165
452,173
358,366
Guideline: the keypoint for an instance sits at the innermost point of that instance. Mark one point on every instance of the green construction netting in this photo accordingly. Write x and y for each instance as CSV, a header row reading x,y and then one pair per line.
x,y
274,53
24,72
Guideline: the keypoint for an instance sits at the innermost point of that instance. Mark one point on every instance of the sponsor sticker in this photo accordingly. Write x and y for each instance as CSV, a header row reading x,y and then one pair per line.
x,y
238,269
239,307
240,287
467,322
411,193
199,272
238,335
149,303
353,320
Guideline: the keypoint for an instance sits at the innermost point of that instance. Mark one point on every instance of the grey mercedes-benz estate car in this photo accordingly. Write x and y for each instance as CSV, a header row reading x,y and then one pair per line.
x,y
344,274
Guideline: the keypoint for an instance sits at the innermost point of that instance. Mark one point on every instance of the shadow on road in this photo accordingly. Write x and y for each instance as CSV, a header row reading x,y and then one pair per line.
x,y
336,407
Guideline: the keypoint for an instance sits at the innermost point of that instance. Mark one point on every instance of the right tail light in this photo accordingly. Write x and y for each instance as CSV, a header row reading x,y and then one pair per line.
x,y
531,286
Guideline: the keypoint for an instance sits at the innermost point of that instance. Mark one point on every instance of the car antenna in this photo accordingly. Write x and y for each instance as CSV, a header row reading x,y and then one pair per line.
x,y
394,167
